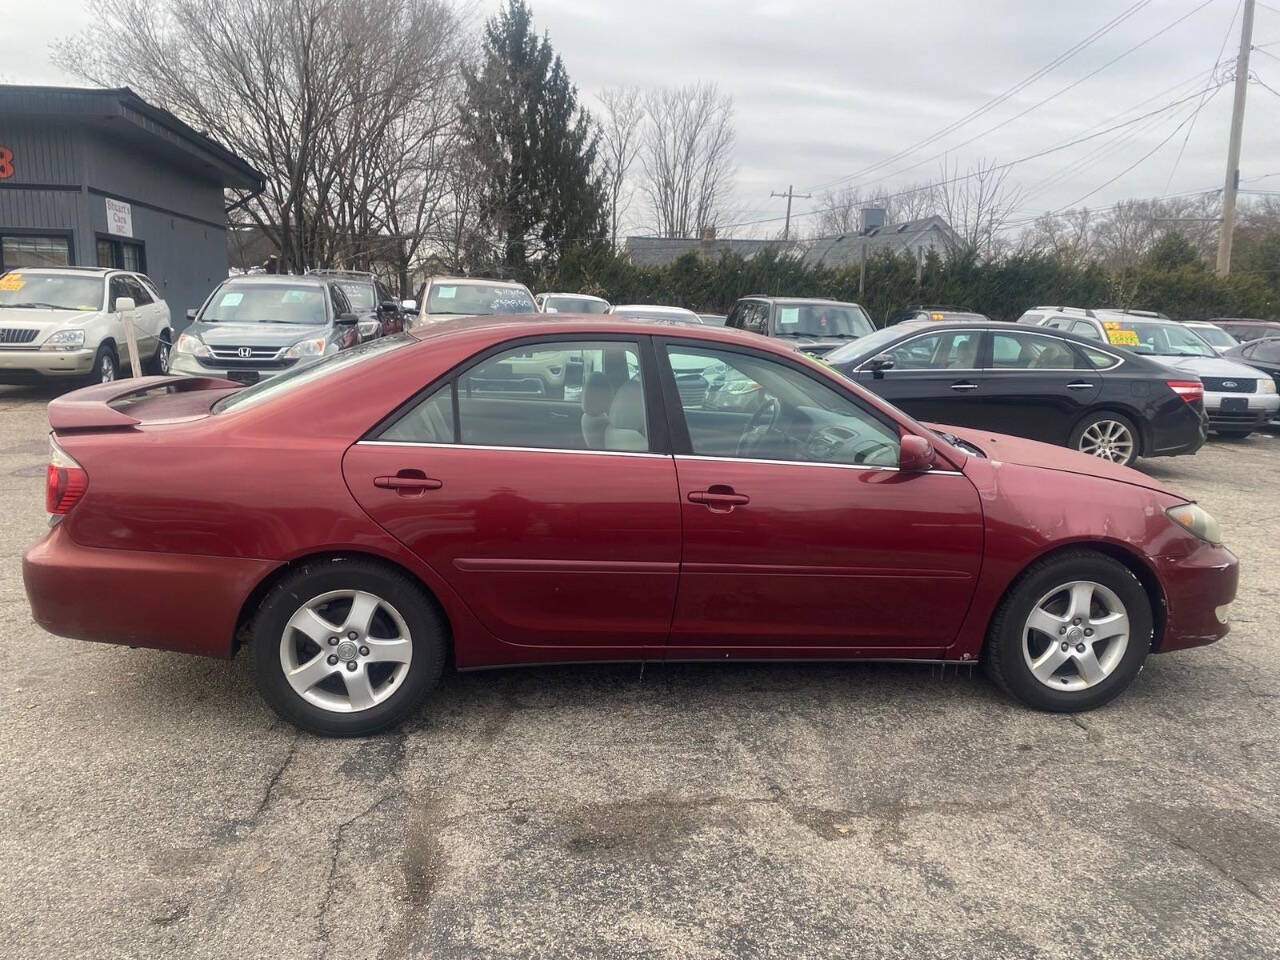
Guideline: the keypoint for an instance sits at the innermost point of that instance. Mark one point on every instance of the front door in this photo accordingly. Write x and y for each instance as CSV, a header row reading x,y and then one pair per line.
x,y
554,517
936,377
800,534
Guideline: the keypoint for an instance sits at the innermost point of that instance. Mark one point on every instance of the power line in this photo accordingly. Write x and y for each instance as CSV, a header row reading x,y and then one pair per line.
x,y
1217,60
999,99
1034,106
1262,83
790,195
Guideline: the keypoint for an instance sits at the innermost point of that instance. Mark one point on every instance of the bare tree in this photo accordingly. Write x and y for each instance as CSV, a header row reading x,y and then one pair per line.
x,y
339,102
1068,236
620,117
687,156
978,205
841,210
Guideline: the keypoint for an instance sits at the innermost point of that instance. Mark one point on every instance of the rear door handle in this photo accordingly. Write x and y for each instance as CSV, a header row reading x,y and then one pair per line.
x,y
1080,385
720,498
408,484
964,385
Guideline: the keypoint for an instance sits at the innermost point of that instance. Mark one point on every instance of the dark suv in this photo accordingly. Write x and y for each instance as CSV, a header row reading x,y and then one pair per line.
x,y
812,325
379,310
254,327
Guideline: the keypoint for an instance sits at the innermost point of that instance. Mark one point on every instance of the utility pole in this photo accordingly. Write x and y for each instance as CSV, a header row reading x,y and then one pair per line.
x,y
1233,145
792,195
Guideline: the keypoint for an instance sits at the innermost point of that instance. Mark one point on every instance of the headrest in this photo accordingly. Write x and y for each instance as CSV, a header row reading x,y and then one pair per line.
x,y
597,395
627,410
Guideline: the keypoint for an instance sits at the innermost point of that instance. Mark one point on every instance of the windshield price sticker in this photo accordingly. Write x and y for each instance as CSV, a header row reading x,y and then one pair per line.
x,y
1111,324
12,283
231,299
1123,338
446,293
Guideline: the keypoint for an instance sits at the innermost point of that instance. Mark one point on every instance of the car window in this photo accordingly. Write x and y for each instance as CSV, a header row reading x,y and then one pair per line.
x,y
572,395
954,350
50,291
359,294
821,320
281,302
1059,323
1026,351
742,405
136,290
1032,318
1215,336
755,317
117,289
476,299
1160,338
1267,351
1096,358
430,421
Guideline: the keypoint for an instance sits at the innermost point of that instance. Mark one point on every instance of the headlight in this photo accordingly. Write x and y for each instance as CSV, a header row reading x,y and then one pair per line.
x,y
1266,385
306,348
65,340
1196,519
192,345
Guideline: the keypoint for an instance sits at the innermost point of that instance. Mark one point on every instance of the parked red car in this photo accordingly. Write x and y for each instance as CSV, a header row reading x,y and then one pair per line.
x,y
511,491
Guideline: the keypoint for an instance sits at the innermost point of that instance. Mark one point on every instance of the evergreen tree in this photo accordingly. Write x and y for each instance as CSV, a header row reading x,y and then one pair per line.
x,y
534,147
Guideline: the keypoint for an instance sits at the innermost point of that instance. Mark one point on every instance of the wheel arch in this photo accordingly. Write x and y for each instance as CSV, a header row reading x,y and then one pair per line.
x,y
244,618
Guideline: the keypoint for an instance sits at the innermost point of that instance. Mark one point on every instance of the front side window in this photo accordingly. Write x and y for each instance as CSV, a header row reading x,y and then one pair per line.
x,y
755,317
742,405
141,296
50,291
273,302
572,395
953,350
478,299
1021,351
117,289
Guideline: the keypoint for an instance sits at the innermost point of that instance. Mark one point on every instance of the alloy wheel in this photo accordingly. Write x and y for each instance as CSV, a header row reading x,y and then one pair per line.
x,y
162,361
107,368
1108,439
345,650
1076,635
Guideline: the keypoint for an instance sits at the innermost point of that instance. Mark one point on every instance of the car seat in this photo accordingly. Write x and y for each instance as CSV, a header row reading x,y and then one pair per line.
x,y
626,427
597,398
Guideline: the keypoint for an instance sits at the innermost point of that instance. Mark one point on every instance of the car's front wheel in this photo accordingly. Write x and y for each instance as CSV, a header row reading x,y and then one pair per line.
x,y
347,647
1072,634
1110,436
160,362
106,366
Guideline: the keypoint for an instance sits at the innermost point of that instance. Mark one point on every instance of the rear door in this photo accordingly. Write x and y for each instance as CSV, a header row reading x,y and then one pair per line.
x,y
935,377
1036,385
556,520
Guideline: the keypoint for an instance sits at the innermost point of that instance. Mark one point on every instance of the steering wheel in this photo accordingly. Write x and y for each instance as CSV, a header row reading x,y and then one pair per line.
x,y
764,420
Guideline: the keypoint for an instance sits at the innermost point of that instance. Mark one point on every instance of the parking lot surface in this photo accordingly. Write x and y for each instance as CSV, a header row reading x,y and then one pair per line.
x,y
154,807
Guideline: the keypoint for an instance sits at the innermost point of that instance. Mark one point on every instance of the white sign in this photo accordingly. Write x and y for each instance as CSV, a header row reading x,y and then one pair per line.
x,y
119,218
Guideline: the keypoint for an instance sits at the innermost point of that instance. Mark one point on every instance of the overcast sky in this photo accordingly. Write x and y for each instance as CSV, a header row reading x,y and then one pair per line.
x,y
823,90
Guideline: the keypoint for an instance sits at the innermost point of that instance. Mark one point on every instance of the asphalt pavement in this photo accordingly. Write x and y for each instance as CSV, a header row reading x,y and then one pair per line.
x,y
152,806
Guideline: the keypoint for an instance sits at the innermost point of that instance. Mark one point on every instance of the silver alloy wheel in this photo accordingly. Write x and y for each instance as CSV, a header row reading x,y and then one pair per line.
x,y
345,650
108,368
163,359
1076,635
1108,439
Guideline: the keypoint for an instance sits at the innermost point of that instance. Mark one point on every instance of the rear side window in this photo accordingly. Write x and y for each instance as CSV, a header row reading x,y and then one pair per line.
x,y
1096,358
431,421
1024,351
1268,351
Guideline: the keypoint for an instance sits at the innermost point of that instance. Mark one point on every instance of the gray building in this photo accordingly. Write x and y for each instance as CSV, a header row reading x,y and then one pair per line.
x,y
102,178
661,251
916,237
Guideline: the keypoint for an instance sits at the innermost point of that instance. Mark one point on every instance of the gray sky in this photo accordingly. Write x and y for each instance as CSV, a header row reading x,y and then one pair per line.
x,y
823,90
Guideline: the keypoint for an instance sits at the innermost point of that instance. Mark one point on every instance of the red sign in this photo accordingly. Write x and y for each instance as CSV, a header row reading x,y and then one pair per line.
x,y
6,163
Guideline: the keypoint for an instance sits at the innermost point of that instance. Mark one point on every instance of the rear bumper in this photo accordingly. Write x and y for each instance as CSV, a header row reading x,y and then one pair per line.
x,y
167,601
38,366
1259,410
1179,431
1198,588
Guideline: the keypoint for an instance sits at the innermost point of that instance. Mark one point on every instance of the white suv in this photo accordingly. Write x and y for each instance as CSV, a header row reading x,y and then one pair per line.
x,y
61,323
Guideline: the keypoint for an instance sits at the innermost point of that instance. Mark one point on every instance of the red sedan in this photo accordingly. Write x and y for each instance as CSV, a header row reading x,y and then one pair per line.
x,y
512,491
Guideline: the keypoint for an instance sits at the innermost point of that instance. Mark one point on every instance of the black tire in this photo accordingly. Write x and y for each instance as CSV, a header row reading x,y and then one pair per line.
x,y
106,360
427,631
1003,658
1099,417
159,364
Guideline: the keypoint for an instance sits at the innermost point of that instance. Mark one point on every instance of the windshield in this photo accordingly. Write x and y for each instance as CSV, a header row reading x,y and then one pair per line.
x,y
1157,339
575,305
50,291
869,345
267,303
1215,336
479,299
305,373
844,321
360,295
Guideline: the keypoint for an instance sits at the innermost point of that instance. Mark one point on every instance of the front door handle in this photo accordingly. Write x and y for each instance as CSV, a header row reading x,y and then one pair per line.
x,y
1079,385
964,385
408,482
719,498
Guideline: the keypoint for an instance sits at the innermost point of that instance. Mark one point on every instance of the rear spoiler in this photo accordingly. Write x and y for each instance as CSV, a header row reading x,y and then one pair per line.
x,y
90,408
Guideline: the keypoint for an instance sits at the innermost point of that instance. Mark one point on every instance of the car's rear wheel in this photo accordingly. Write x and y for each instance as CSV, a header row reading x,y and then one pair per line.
x,y
1107,435
1072,633
347,647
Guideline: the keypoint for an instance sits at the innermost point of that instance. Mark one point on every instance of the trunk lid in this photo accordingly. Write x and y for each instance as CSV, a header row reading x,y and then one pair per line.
x,y
123,404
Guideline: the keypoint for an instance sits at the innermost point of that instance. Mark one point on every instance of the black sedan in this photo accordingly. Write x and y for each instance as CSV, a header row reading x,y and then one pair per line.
x,y
1041,384
1262,354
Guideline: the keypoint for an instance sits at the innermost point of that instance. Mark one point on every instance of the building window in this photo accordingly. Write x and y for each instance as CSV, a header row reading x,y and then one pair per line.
x,y
121,254
24,251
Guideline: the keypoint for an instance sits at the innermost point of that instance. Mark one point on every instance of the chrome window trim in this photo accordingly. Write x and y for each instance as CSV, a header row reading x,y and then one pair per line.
x,y
1049,336
485,446
810,463
928,332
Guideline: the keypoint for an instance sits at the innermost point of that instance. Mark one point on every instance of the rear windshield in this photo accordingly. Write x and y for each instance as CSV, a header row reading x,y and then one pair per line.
x,y
478,299
49,291
268,303
575,305
359,294
305,373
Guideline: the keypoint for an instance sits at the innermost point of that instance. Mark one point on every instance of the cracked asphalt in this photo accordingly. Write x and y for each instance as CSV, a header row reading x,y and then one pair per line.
x,y
154,807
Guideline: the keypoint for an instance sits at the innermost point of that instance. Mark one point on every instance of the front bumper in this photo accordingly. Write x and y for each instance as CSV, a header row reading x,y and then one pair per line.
x,y
1197,586
187,365
1257,410
33,365
169,601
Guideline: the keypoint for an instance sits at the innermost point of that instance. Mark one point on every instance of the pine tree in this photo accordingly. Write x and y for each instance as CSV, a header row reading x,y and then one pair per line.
x,y
534,147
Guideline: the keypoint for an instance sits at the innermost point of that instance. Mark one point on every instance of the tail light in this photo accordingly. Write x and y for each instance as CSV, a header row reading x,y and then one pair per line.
x,y
65,484
1188,390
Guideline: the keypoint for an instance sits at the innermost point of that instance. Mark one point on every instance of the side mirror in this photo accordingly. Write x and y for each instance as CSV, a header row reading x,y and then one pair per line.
x,y
916,454
347,319
409,306
389,306
879,364
191,314
123,304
